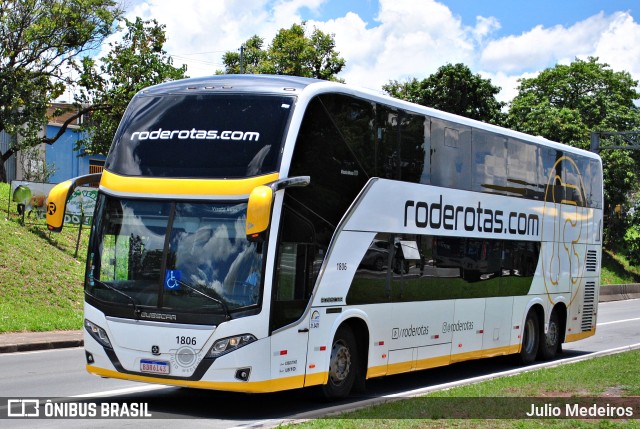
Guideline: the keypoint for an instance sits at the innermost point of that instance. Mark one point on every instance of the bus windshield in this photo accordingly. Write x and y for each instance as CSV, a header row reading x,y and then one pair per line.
x,y
190,257
201,136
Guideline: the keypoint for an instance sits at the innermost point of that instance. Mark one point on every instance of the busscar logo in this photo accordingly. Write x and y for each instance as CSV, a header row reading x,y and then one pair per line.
x,y
158,316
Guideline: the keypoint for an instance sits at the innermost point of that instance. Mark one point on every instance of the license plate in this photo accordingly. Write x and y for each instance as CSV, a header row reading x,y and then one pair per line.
x,y
154,366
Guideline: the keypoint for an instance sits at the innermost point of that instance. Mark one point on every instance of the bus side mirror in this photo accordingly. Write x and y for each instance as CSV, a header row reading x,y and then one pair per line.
x,y
261,203
258,213
58,197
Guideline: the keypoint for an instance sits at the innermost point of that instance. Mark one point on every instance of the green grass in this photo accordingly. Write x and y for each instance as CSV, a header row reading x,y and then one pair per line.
x,y
40,280
615,376
617,270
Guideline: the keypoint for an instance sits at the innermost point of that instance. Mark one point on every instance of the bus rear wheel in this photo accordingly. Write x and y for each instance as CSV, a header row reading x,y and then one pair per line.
x,y
530,338
550,342
342,365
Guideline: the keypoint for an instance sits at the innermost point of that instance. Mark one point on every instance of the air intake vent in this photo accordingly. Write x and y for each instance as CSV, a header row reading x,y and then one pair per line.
x,y
588,306
592,260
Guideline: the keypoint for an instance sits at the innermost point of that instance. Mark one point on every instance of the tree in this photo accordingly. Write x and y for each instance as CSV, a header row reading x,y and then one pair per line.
x,y
39,41
252,60
292,52
567,102
454,89
138,61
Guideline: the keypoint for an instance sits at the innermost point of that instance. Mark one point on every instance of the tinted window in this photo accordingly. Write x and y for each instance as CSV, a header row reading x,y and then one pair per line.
x,y
552,176
407,267
337,175
523,170
490,163
414,147
296,270
201,136
354,120
593,183
450,155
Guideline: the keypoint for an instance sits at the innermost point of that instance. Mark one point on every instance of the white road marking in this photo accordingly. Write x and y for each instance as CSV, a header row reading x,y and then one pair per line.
x,y
619,321
125,391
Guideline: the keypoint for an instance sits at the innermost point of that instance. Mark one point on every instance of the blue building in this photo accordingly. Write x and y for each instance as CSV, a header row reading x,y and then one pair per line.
x,y
67,161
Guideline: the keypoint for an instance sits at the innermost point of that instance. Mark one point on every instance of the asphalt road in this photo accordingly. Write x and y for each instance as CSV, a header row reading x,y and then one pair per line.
x,y
60,374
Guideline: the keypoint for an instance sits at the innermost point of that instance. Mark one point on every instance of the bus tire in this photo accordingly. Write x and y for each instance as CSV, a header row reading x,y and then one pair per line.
x,y
530,338
550,342
342,365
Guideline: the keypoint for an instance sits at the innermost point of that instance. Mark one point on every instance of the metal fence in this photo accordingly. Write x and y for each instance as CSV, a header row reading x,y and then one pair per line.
x,y
10,164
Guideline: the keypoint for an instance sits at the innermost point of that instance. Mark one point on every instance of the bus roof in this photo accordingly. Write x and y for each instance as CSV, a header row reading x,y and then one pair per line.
x,y
294,85
236,83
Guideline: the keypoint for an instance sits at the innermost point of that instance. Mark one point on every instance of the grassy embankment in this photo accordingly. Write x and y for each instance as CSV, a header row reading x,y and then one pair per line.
x,y
41,281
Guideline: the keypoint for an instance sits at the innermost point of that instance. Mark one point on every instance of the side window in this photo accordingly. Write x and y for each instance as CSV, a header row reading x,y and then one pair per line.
x,y
407,268
354,121
489,163
295,270
552,180
369,284
387,149
574,185
523,170
337,176
450,155
594,186
414,146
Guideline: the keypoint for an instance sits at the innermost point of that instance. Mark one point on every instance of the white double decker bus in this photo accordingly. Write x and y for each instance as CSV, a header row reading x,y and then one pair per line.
x,y
263,233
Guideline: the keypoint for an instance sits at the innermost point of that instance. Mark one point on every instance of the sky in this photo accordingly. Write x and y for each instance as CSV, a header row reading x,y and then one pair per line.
x,y
384,40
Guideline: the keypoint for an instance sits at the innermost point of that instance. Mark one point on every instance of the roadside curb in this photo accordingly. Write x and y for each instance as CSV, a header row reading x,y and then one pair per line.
x,y
32,341
619,292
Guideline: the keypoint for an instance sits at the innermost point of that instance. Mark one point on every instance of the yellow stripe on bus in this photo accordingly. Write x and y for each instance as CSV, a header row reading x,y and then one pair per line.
x,y
580,336
266,386
316,379
401,367
150,186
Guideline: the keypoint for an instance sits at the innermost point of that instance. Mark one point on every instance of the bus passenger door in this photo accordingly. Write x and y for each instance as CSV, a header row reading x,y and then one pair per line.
x,y
291,293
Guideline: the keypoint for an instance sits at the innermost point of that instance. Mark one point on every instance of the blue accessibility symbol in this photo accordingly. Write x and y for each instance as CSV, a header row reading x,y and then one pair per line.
x,y
172,279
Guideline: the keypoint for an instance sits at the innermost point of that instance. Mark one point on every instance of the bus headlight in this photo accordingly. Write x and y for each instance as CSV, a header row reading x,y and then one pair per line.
x,y
226,345
98,334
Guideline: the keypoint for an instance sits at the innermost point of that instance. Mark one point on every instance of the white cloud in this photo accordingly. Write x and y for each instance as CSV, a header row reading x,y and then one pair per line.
x,y
541,47
409,38
619,44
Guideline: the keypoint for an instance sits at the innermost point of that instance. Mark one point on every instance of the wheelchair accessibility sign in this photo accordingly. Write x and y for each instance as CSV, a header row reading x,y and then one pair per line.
x,y
172,279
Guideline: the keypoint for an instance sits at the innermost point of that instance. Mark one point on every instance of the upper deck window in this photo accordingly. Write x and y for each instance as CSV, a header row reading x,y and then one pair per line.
x,y
201,136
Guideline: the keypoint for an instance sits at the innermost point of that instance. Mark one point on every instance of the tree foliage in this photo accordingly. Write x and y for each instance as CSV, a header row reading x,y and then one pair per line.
x,y
292,52
39,41
454,89
107,86
567,102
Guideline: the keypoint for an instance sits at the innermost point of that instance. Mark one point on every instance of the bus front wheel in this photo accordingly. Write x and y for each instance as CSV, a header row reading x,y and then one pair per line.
x,y
530,338
342,365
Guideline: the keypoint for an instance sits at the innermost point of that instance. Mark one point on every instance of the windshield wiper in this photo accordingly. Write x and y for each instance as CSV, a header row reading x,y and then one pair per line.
x,y
136,310
216,300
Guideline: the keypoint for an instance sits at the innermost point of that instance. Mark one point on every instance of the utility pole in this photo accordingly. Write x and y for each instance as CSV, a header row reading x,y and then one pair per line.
x,y
241,59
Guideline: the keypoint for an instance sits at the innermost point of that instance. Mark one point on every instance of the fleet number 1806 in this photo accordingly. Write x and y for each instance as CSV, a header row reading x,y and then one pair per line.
x,y
186,341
